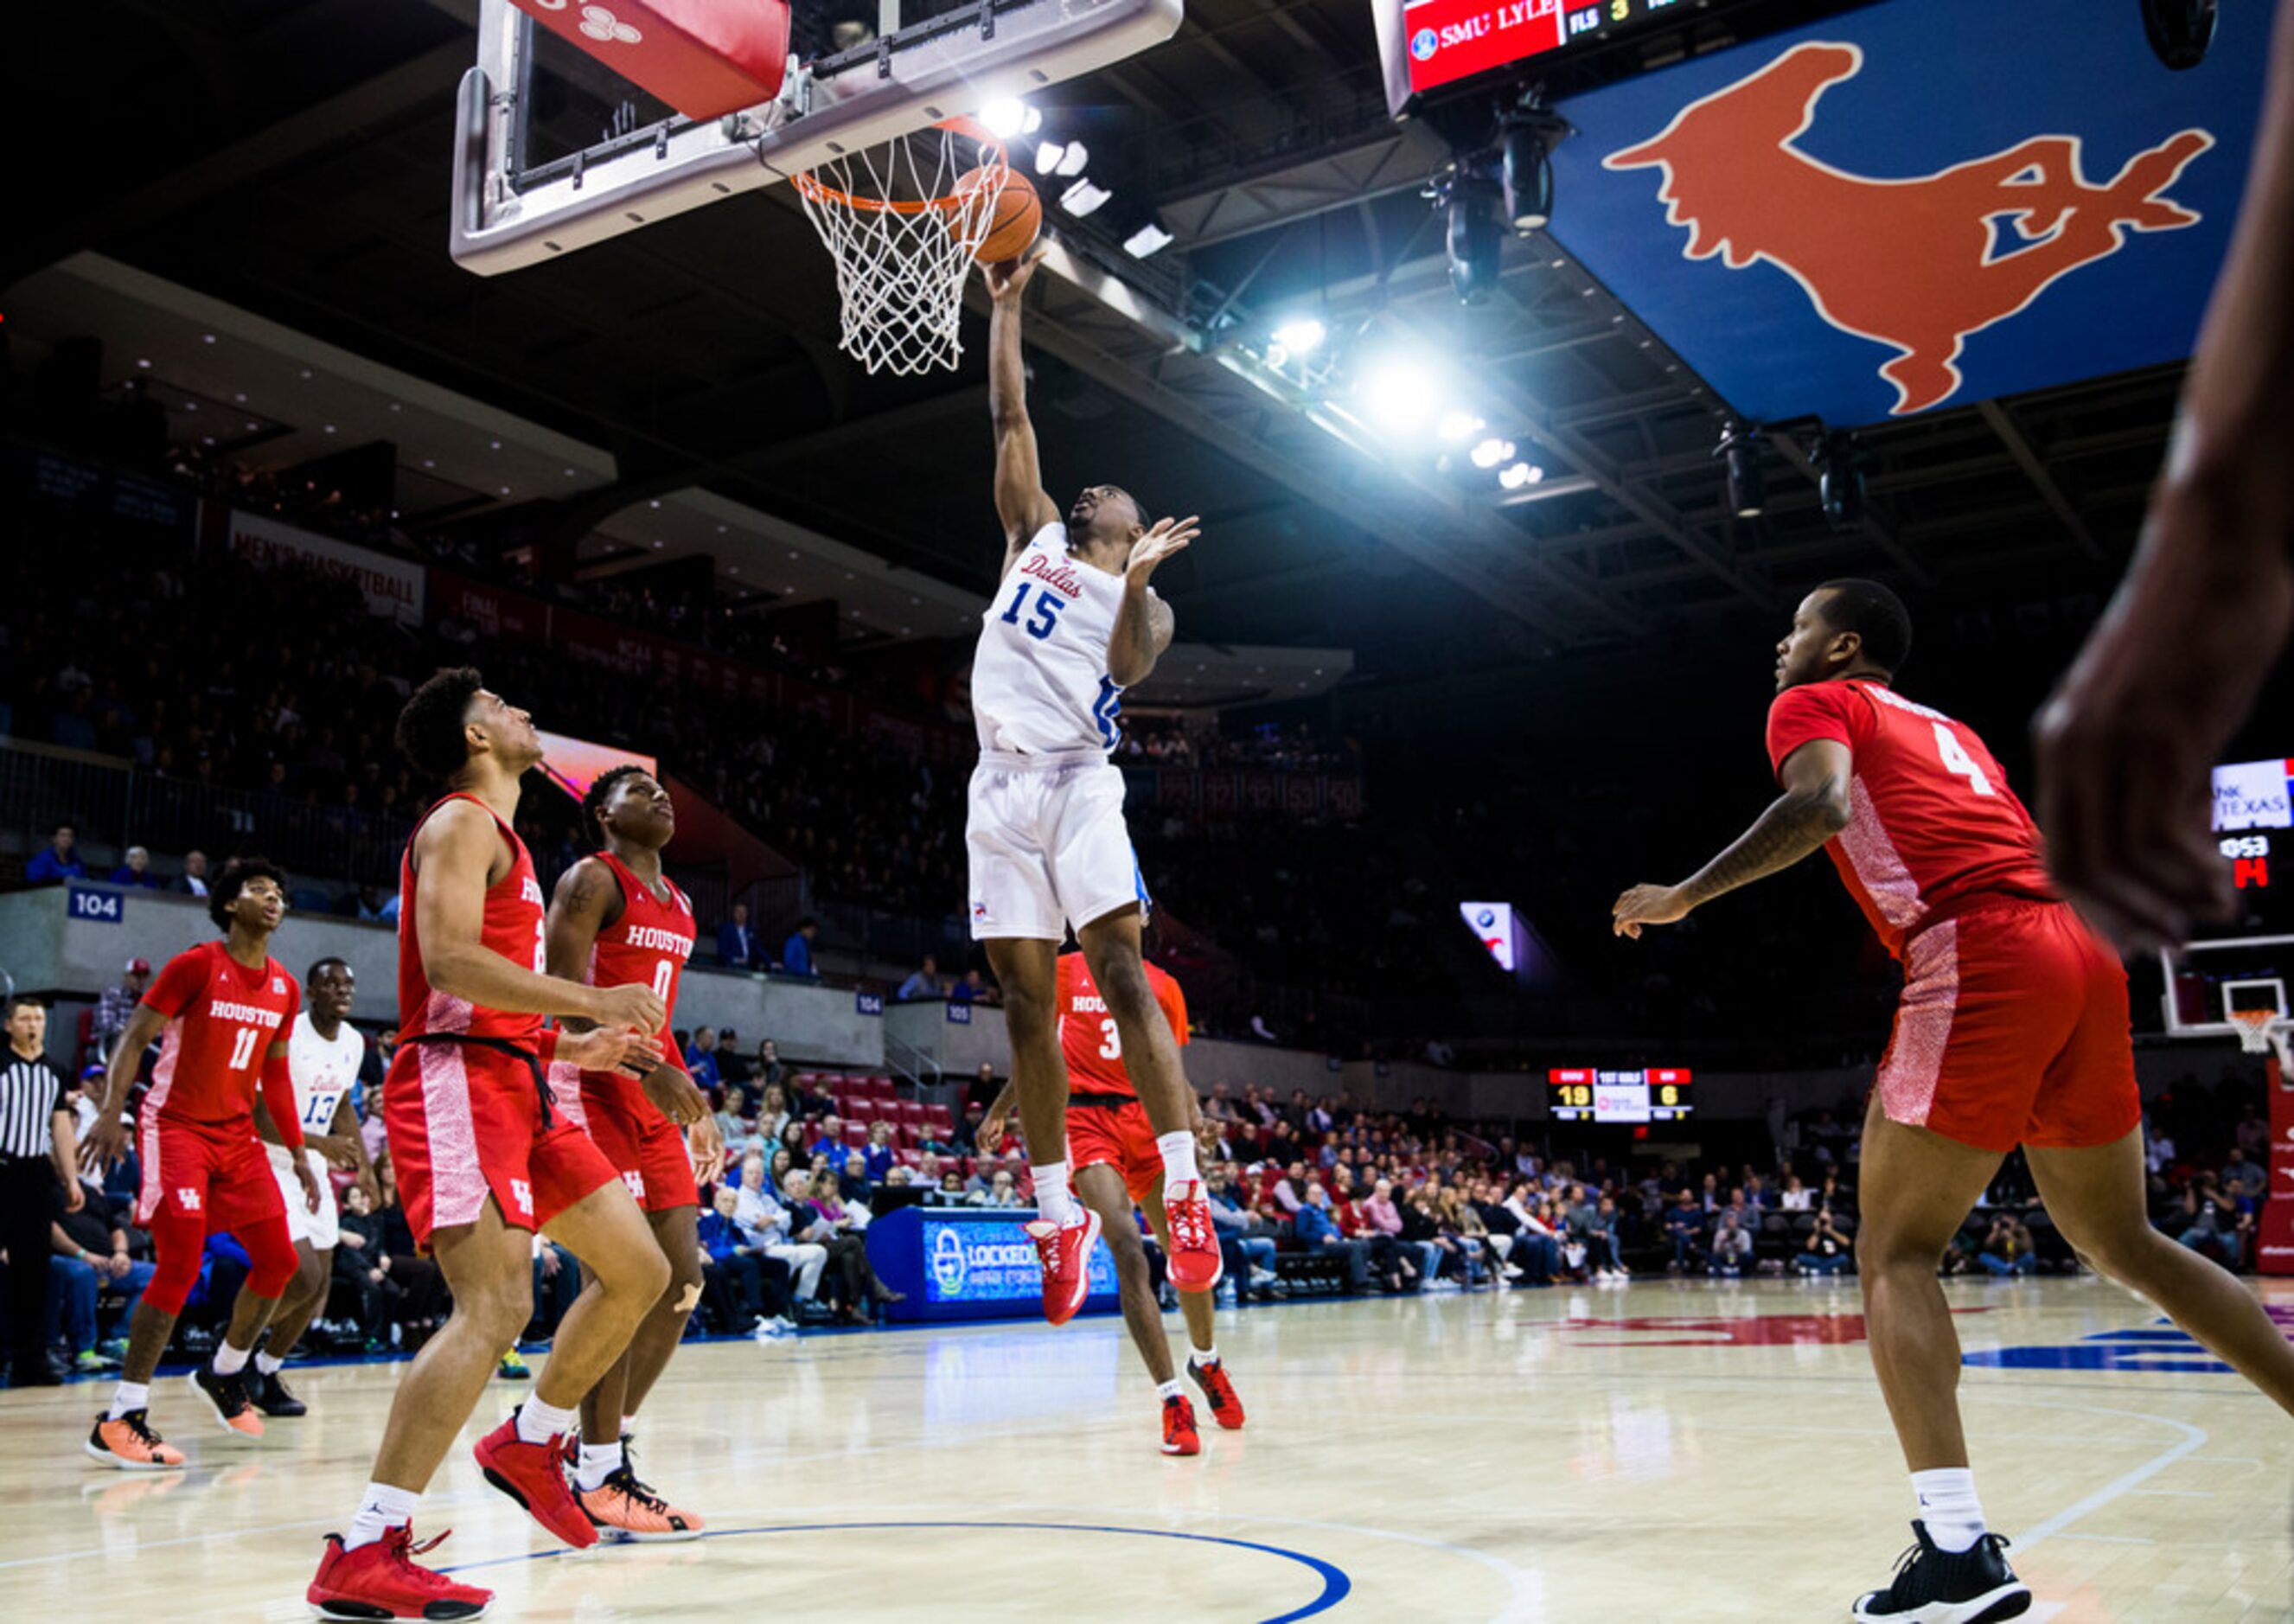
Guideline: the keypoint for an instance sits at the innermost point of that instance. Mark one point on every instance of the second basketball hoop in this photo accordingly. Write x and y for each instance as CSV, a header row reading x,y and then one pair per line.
x,y
905,222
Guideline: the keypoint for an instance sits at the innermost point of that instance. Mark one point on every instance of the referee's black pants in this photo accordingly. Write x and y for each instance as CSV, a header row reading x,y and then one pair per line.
x,y
27,1191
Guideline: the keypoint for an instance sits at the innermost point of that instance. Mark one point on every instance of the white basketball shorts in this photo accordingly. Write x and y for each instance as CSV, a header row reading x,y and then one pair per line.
x,y
1048,845
323,1227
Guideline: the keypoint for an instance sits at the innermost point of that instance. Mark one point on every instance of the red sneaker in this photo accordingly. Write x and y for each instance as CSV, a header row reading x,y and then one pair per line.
x,y
1226,1409
1065,1255
382,1581
534,1474
1194,1262
1179,1435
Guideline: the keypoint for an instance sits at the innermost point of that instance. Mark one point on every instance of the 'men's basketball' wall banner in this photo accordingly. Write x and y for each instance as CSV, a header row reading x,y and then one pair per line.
x,y
1917,206
393,586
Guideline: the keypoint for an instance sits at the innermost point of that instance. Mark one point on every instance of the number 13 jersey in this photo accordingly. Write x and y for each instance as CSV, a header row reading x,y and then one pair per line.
x,y
1932,825
1039,681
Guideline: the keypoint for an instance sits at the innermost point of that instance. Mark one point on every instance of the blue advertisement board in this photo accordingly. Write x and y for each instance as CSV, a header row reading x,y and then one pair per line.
x,y
967,1263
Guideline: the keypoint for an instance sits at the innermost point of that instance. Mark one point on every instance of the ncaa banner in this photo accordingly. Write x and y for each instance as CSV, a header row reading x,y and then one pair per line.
x,y
393,586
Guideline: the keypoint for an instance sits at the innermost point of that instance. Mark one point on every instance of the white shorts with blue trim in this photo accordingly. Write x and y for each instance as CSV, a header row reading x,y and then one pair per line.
x,y
1048,846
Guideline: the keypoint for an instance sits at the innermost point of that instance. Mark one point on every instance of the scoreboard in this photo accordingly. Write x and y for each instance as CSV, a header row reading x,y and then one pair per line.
x,y
1441,41
1582,1094
2254,831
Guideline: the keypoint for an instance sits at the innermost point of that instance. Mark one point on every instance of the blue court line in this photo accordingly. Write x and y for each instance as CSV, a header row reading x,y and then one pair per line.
x,y
1335,1585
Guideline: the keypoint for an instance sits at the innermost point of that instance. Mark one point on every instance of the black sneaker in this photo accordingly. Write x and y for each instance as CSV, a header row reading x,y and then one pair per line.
x,y
228,1394
271,1395
1935,1586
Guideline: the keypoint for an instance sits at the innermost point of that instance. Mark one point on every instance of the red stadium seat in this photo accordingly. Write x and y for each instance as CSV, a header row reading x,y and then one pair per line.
x,y
856,1134
939,1121
912,1114
911,1158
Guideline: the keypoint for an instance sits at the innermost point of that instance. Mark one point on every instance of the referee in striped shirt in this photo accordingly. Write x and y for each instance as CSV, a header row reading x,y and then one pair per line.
x,y
37,1154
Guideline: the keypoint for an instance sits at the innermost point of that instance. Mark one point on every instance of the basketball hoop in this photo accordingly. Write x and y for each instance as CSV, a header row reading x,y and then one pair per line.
x,y
2261,1031
902,223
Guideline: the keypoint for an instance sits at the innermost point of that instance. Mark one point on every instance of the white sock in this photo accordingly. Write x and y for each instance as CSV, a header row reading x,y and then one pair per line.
x,y
1206,1357
381,1509
229,1360
1168,1390
1052,1198
128,1396
1178,1157
268,1363
599,1462
1948,1506
539,1423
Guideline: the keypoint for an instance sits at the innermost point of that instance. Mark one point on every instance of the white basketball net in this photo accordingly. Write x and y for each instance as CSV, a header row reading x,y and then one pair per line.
x,y
903,243
2261,1032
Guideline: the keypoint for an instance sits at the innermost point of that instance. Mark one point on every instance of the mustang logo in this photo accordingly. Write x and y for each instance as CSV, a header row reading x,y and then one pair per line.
x,y
1916,264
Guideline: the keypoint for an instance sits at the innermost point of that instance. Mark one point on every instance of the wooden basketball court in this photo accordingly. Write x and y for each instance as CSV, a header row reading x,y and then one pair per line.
x,y
1670,1449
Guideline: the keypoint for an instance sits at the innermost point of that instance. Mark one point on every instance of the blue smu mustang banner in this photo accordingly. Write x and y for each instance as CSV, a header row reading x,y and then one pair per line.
x,y
1922,204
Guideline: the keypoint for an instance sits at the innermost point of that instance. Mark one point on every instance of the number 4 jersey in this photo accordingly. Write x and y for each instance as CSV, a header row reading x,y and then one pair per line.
x,y
1932,827
1039,681
222,1021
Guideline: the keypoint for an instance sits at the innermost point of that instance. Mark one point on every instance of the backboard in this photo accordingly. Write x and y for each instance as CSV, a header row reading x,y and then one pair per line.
x,y
553,151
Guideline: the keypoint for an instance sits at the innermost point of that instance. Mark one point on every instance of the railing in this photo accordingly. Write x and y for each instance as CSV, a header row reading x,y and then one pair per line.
x,y
115,802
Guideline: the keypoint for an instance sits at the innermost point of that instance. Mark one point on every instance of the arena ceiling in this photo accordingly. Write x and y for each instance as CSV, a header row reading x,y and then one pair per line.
x,y
289,157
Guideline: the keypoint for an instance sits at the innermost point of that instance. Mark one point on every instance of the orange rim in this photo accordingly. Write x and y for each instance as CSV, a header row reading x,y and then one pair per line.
x,y
821,191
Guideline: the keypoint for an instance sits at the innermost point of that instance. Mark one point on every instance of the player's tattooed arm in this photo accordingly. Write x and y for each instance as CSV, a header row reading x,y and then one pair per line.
x,y
588,901
1812,809
1145,623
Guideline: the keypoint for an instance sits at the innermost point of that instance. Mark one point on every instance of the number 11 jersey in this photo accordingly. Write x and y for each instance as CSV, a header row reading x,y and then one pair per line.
x,y
1932,825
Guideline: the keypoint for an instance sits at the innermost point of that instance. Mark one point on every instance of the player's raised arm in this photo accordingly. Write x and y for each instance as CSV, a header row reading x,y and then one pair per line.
x,y
1021,501
586,902
1143,626
1812,809
453,854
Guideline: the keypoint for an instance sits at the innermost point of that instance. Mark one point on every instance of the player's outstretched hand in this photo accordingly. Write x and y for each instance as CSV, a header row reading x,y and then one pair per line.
x,y
675,1095
1648,905
632,1005
2127,742
706,1146
610,1048
107,1142
1007,281
1166,538
988,1137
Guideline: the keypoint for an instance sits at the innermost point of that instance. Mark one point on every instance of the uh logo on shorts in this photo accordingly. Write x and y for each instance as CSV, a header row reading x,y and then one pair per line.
x,y
522,1193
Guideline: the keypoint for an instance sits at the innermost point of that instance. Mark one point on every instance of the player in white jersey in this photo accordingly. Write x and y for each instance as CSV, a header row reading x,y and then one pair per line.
x,y
1073,624
325,1053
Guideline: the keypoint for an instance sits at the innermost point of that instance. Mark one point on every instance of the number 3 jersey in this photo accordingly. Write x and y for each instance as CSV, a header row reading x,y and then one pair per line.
x,y
1932,827
1087,1035
1039,681
222,1020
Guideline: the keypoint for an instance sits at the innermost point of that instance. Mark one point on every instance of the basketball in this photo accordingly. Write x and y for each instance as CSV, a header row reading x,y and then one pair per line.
x,y
1019,213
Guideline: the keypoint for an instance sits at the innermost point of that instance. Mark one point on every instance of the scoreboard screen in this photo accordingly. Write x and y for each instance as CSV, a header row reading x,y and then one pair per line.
x,y
1582,1094
1441,41
2253,818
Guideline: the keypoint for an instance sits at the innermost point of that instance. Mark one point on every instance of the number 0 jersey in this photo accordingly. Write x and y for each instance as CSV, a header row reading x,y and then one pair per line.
x,y
647,945
1088,1034
1039,681
1932,825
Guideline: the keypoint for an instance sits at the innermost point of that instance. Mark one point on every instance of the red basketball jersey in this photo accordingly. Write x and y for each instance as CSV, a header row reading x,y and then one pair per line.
x,y
1932,825
512,927
648,945
222,1020
1088,1034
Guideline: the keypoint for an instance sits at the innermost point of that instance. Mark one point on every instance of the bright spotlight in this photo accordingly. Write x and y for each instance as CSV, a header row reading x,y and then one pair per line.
x,y
1048,155
1299,336
1074,159
1491,452
1518,476
1400,394
1147,239
1006,118
1458,425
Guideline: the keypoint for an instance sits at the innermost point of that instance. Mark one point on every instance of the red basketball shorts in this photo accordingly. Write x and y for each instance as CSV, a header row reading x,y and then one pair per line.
x,y
465,1123
2013,1028
1116,1135
647,1149
217,1173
